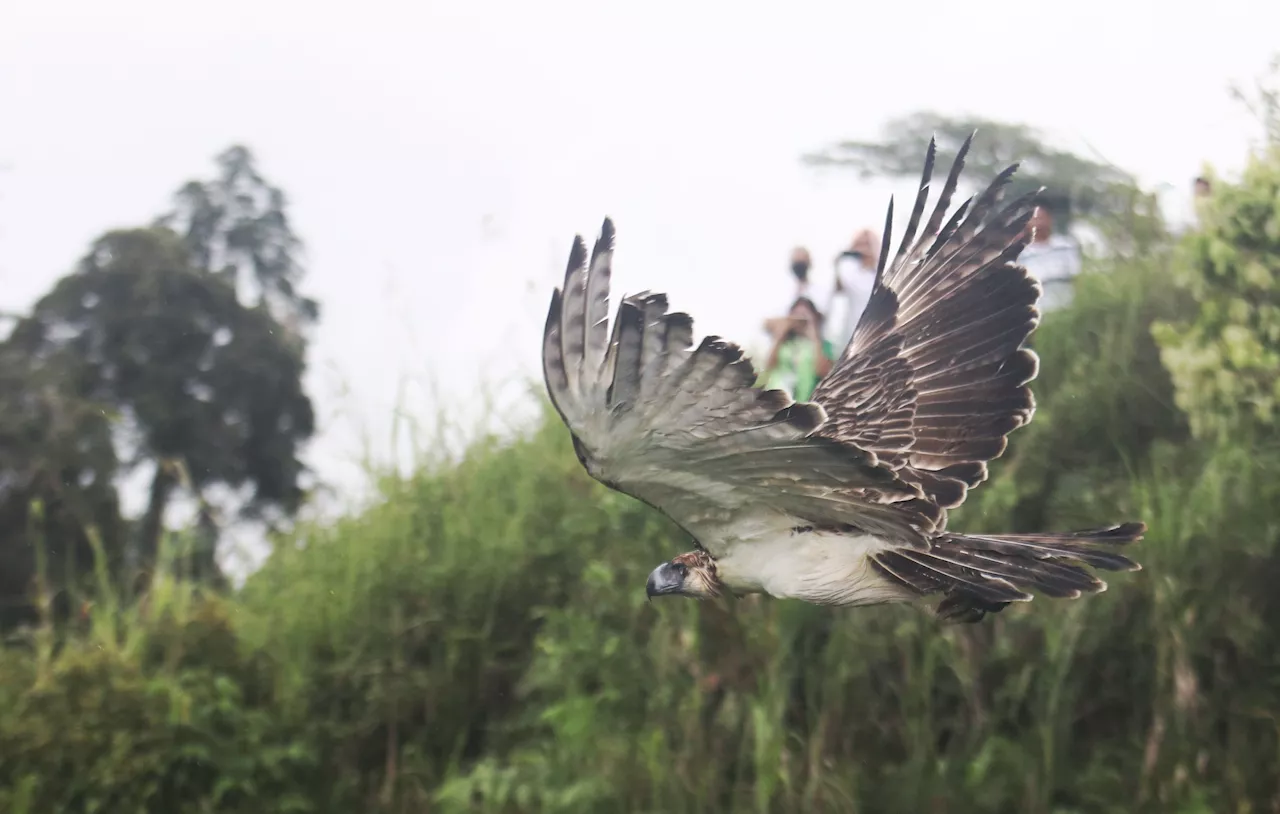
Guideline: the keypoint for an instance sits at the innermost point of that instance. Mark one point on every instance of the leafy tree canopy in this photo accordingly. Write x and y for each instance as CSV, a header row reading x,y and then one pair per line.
x,y
1075,187
199,378
236,224
178,347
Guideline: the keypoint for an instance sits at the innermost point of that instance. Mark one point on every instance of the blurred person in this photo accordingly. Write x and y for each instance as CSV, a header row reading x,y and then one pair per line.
x,y
800,265
855,276
1201,190
802,279
800,356
1190,213
1053,259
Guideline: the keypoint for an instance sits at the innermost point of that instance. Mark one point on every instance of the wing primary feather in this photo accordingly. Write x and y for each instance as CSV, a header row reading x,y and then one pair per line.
x,y
553,369
679,339
985,203
922,198
884,245
595,340
573,315
949,188
654,347
628,347
953,224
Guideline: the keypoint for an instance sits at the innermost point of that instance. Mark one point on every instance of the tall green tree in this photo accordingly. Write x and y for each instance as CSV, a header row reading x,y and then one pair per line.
x,y
194,338
1075,186
236,223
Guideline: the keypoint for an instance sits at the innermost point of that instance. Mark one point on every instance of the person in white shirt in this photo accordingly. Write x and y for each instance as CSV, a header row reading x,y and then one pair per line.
x,y
855,276
1190,210
1052,259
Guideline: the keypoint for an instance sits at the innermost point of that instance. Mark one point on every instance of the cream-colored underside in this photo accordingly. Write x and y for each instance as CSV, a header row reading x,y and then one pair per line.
x,y
824,568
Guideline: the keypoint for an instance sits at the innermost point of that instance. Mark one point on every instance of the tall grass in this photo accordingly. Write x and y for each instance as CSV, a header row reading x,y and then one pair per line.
x,y
478,640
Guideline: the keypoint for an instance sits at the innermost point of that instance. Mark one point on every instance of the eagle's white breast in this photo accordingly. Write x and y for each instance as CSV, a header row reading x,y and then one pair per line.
x,y
825,568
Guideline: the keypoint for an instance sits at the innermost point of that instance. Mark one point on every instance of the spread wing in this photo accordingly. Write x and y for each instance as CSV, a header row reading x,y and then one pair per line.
x,y
935,376
685,430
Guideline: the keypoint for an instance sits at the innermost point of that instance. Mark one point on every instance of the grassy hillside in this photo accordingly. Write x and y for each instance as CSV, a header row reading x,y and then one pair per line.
x,y
479,641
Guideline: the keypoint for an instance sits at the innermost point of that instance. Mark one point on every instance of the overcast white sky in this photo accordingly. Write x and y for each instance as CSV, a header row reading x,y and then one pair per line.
x,y
441,156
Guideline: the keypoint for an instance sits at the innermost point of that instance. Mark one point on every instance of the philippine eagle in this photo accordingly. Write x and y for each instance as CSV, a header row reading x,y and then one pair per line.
x,y
841,500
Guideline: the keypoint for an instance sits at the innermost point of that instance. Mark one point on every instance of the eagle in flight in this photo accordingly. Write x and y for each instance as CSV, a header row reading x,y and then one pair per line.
x,y
841,500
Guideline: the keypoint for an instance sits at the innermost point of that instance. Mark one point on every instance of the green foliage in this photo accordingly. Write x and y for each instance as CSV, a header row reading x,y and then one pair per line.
x,y
1225,359
478,640
1075,186
172,719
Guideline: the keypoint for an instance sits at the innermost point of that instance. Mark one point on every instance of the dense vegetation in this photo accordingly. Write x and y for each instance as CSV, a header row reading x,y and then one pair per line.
x,y
478,640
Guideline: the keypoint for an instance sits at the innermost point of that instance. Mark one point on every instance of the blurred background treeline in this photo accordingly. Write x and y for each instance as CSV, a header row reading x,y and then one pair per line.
x,y
478,640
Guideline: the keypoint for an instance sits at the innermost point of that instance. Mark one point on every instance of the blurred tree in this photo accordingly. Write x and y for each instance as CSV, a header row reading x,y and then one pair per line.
x,y
236,224
191,333
1075,187
1263,101
205,385
57,485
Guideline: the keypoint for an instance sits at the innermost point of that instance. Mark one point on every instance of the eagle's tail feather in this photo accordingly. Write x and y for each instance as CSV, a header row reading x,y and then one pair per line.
x,y
979,574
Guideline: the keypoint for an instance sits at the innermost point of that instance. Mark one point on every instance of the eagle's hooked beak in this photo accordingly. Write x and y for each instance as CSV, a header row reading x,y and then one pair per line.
x,y
667,578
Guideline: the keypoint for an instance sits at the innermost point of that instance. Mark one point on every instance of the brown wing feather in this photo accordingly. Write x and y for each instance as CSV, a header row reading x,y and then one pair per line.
x,y
689,433
935,376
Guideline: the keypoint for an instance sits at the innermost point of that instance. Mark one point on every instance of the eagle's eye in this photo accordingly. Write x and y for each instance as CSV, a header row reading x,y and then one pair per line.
x,y
682,569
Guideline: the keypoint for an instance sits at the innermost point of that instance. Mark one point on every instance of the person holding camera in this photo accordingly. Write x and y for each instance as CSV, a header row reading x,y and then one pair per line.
x,y
800,356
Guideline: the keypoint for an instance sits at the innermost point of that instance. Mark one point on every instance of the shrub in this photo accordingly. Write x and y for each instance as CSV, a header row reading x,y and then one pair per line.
x,y
172,721
1225,360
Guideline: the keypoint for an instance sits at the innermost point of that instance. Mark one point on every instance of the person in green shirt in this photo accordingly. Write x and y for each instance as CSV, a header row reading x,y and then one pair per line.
x,y
800,357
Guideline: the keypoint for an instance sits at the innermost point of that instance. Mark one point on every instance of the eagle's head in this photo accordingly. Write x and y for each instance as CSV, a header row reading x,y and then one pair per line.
x,y
692,575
